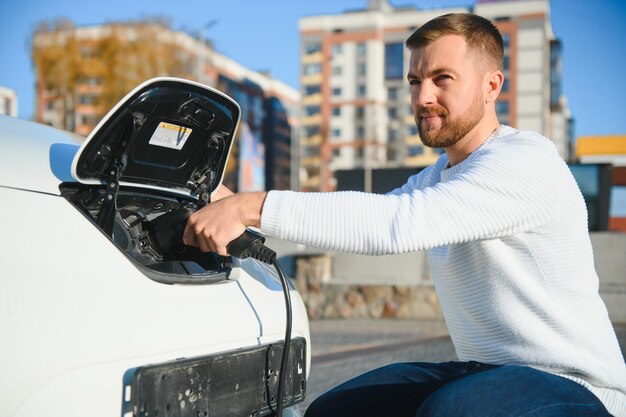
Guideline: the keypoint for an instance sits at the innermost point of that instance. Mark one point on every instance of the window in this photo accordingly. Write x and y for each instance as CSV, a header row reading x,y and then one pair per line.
x,y
555,73
86,99
336,152
392,113
360,90
310,151
87,52
336,70
336,133
311,130
89,119
361,68
360,133
358,113
309,90
505,85
361,49
502,107
312,69
336,49
337,91
392,93
413,130
415,150
506,40
312,48
392,135
92,81
311,110
506,62
336,111
394,59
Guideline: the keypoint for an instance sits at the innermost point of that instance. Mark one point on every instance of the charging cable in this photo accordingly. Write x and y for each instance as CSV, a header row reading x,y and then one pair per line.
x,y
167,234
251,244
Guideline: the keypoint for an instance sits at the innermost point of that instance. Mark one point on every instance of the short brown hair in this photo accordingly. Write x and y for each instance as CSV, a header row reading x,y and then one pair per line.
x,y
479,33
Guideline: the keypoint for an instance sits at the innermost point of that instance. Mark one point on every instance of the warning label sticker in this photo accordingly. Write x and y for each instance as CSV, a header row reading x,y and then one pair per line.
x,y
170,136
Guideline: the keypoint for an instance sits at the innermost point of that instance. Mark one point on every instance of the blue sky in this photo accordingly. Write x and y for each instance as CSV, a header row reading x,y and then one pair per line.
x,y
264,35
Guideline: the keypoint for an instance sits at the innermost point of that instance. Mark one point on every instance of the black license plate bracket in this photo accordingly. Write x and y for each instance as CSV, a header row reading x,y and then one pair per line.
x,y
241,382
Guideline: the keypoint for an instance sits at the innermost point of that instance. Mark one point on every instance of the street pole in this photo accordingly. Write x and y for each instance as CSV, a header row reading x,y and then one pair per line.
x,y
202,51
367,168
370,132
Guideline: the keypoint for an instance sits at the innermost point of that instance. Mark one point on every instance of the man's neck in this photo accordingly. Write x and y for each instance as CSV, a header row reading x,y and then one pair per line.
x,y
469,143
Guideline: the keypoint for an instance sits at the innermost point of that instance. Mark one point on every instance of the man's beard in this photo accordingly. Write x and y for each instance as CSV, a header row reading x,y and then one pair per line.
x,y
451,131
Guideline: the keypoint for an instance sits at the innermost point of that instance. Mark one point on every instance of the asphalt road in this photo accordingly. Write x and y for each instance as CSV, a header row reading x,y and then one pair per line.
x,y
342,349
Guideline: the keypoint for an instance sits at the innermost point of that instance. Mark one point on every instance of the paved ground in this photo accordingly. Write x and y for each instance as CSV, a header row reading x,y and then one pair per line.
x,y
346,348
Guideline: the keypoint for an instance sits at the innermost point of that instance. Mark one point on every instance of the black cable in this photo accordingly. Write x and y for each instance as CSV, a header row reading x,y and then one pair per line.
x,y
285,358
250,244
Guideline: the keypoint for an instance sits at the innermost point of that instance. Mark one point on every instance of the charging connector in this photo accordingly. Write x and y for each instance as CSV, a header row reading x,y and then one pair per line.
x,y
251,244
167,234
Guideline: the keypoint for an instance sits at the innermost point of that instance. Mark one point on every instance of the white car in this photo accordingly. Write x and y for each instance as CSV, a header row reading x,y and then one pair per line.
x,y
102,311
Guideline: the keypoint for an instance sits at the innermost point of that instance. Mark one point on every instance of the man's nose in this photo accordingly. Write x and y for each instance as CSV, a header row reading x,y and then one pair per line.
x,y
425,94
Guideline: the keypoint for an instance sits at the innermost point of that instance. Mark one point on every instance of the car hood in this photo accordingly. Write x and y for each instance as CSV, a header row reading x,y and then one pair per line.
x,y
35,157
167,134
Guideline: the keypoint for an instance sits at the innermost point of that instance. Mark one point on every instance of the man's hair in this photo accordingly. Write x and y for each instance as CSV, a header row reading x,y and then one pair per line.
x,y
479,33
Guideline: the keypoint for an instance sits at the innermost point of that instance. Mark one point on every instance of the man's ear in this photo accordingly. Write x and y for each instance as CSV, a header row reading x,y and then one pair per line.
x,y
493,85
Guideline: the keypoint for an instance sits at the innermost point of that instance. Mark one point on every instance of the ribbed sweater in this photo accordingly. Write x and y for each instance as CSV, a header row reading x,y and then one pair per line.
x,y
509,251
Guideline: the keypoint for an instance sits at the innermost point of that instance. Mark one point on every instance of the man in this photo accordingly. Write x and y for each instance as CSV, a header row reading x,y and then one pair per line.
x,y
505,228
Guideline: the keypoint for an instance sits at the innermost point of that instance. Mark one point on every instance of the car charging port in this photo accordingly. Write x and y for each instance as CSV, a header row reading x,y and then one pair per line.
x,y
166,231
144,228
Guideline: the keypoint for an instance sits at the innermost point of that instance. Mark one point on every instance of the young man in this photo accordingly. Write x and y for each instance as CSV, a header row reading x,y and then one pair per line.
x,y
505,227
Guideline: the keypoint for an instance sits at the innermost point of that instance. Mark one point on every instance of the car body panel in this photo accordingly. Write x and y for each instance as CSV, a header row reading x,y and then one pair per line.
x,y
35,157
76,313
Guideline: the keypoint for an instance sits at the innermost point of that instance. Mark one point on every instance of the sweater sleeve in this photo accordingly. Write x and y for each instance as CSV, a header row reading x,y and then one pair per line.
x,y
492,194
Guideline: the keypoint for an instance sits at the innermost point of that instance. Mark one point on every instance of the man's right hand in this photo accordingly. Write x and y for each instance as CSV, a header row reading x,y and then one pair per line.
x,y
217,224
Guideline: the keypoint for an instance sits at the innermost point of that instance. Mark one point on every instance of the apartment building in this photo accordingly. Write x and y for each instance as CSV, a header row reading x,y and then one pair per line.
x,y
83,71
8,101
602,173
356,101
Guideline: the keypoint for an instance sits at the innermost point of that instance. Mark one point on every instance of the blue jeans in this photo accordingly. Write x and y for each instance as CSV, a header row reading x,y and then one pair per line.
x,y
457,389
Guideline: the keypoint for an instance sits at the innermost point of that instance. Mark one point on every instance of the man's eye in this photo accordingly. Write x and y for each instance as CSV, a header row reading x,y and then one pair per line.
x,y
415,82
443,77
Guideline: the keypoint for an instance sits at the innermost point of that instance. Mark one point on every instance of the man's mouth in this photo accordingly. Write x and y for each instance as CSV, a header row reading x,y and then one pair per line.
x,y
430,117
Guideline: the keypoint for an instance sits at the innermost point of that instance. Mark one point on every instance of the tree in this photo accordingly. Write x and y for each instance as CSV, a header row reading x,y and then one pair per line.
x,y
57,62
119,56
133,53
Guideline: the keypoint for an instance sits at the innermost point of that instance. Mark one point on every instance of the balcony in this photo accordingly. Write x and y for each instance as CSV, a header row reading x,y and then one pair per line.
x,y
311,161
412,140
312,99
313,58
314,119
313,182
427,158
314,140
311,79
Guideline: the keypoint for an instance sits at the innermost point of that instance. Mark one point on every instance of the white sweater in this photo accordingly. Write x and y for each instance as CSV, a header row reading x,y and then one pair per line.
x,y
511,259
